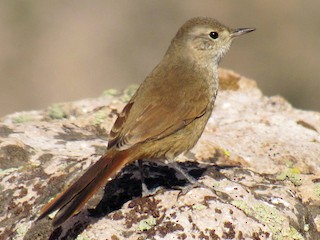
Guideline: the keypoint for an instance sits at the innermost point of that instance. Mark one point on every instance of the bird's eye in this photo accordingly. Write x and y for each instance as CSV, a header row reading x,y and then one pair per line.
x,y
214,35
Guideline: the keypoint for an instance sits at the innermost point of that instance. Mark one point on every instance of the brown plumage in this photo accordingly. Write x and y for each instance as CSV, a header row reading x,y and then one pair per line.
x,y
167,114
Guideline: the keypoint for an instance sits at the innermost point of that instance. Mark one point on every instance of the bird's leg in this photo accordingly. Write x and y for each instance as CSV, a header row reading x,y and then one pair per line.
x,y
194,183
145,191
173,164
187,176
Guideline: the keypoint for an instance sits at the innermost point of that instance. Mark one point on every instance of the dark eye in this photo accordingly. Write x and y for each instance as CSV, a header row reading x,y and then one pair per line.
x,y
214,35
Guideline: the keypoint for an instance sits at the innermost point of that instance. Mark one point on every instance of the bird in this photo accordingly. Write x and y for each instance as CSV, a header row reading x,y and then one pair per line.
x,y
165,117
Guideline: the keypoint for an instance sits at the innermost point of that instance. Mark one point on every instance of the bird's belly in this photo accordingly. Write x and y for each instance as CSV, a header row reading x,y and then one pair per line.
x,y
177,142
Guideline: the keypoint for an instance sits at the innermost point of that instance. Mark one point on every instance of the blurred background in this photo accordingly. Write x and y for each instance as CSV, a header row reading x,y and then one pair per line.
x,y
56,51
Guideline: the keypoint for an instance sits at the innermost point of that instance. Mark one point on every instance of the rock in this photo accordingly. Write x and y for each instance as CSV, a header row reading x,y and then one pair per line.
x,y
259,158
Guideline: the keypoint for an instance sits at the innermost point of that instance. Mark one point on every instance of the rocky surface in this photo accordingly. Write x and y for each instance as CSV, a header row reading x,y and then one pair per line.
x,y
259,158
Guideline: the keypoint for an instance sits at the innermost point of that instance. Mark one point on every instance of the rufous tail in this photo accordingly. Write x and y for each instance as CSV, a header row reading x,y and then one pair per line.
x,y
73,198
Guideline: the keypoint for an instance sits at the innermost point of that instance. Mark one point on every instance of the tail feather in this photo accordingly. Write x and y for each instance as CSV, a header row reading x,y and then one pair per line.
x,y
73,198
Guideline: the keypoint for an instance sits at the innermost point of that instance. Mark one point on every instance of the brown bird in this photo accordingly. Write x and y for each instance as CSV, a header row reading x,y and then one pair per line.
x,y
167,114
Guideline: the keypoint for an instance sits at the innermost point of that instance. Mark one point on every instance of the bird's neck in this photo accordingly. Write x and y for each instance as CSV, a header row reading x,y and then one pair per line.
x,y
207,68
202,68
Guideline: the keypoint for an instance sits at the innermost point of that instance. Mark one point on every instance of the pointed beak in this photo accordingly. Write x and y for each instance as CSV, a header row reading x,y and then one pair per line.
x,y
241,31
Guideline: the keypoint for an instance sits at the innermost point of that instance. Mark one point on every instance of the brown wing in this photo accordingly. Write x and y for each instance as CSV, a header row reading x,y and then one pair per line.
x,y
159,108
155,122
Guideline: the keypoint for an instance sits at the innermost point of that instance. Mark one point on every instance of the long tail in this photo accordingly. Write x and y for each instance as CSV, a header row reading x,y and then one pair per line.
x,y
73,198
